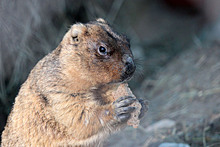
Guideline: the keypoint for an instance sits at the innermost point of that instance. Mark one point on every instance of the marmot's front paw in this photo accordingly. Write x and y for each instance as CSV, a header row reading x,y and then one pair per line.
x,y
122,109
144,107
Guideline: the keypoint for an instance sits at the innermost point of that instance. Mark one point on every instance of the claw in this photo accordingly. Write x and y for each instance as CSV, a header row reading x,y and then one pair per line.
x,y
124,110
144,109
122,98
123,117
124,102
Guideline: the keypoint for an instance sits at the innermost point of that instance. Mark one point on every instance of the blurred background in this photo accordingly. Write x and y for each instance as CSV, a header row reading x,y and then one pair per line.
x,y
176,44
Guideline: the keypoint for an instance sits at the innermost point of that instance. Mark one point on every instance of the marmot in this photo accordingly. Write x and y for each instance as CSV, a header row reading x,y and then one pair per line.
x,y
63,101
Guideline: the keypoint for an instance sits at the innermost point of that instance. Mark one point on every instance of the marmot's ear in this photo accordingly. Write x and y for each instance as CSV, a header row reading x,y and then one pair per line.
x,y
77,29
101,20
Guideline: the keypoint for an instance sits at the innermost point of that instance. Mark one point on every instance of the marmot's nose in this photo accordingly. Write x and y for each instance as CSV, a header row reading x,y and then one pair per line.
x,y
129,65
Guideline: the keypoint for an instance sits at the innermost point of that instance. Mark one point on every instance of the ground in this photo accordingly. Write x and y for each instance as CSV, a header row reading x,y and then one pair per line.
x,y
185,95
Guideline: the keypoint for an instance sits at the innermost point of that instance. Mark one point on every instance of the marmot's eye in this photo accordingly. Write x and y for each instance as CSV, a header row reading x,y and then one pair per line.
x,y
102,50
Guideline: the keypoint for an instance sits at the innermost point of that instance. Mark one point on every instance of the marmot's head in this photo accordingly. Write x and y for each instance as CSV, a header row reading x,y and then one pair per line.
x,y
96,53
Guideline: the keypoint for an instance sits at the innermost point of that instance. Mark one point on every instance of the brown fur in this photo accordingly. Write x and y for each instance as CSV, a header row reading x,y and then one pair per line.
x,y
61,103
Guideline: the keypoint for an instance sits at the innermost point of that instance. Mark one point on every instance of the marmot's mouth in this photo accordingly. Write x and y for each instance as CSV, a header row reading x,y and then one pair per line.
x,y
128,73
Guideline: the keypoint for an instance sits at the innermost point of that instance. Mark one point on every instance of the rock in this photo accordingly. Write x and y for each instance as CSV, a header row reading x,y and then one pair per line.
x,y
173,145
162,124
